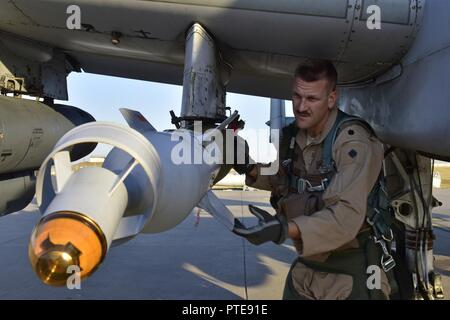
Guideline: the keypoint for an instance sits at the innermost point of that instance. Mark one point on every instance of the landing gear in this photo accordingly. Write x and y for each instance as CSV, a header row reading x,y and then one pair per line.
x,y
409,183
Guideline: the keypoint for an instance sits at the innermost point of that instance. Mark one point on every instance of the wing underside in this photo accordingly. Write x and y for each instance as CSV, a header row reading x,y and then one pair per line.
x,y
262,41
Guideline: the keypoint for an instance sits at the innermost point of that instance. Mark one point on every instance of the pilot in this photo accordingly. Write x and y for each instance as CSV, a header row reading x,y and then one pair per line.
x,y
329,163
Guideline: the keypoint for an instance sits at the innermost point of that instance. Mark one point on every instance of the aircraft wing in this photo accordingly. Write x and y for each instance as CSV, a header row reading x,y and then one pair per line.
x,y
260,42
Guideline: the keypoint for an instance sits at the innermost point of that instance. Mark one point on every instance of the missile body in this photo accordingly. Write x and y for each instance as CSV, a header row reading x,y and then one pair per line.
x,y
141,187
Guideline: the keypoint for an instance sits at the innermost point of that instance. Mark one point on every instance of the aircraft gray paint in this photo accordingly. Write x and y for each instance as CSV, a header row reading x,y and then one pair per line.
x,y
260,49
395,78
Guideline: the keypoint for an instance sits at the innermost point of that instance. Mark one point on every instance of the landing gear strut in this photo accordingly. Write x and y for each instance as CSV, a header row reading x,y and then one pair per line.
x,y
409,182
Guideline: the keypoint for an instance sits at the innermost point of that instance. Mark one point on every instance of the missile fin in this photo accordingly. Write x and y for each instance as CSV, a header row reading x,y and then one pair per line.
x,y
207,136
63,169
136,120
215,207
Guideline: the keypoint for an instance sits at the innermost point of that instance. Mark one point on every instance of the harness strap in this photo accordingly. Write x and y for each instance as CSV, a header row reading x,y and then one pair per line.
x,y
292,130
378,215
300,184
327,147
342,119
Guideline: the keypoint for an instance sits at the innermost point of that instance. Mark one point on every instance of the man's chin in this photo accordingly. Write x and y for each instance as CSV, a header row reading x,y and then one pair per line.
x,y
301,123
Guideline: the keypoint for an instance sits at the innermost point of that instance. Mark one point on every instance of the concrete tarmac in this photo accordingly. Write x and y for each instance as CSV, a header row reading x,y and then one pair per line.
x,y
198,259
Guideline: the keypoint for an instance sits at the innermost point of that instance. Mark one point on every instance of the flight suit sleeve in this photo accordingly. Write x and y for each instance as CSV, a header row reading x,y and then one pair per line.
x,y
358,157
265,176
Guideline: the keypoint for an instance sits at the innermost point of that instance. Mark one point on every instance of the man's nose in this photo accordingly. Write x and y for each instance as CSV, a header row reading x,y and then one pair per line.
x,y
301,105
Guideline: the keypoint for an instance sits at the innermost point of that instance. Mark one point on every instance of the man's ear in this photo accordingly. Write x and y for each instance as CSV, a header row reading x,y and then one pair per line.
x,y
332,98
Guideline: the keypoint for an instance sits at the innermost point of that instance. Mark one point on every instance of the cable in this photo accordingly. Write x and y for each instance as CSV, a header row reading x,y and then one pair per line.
x,y
416,215
423,230
243,250
422,233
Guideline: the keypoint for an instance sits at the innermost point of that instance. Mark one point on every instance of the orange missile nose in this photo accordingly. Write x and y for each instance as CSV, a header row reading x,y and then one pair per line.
x,y
62,240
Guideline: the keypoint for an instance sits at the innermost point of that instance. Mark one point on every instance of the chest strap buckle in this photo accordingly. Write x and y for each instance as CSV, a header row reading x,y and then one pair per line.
x,y
301,185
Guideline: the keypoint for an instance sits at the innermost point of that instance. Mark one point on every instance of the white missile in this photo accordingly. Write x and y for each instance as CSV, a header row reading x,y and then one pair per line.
x,y
139,188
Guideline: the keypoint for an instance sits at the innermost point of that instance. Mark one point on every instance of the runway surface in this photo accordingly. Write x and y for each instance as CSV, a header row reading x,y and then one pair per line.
x,y
199,259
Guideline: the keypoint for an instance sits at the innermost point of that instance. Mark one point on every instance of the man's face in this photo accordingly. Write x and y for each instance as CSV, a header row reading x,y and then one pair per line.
x,y
312,103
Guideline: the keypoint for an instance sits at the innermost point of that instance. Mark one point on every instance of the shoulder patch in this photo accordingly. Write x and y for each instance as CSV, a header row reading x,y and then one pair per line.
x,y
353,133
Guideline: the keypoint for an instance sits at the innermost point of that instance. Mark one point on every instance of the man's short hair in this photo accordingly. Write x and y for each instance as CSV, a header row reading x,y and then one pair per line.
x,y
316,69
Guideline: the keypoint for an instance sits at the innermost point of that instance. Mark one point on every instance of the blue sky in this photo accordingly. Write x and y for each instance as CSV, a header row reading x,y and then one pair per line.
x,y
102,96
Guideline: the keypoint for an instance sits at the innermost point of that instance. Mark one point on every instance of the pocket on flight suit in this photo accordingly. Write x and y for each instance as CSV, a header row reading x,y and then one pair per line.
x,y
321,285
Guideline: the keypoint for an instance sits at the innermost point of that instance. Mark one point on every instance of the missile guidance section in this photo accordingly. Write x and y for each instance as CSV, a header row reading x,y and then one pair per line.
x,y
62,240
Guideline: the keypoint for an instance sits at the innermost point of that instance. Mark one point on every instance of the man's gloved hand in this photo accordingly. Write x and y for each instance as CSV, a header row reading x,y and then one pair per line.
x,y
242,162
269,228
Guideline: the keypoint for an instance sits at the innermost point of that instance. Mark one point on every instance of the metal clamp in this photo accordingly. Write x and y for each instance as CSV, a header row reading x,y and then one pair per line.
x,y
379,232
320,187
301,185
372,222
387,261
391,236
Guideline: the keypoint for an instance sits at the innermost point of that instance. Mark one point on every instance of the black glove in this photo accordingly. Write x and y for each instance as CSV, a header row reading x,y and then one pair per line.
x,y
242,164
269,228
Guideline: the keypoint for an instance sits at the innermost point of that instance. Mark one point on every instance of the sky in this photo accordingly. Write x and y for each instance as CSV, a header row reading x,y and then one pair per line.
x,y
102,96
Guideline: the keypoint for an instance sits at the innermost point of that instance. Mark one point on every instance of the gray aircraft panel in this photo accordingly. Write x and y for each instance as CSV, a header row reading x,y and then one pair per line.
x,y
264,47
263,41
412,109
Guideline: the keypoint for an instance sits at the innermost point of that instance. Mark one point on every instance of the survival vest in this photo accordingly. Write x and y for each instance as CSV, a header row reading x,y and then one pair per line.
x,y
378,213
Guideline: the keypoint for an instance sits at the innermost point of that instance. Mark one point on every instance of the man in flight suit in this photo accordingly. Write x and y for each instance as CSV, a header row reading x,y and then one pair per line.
x,y
321,200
